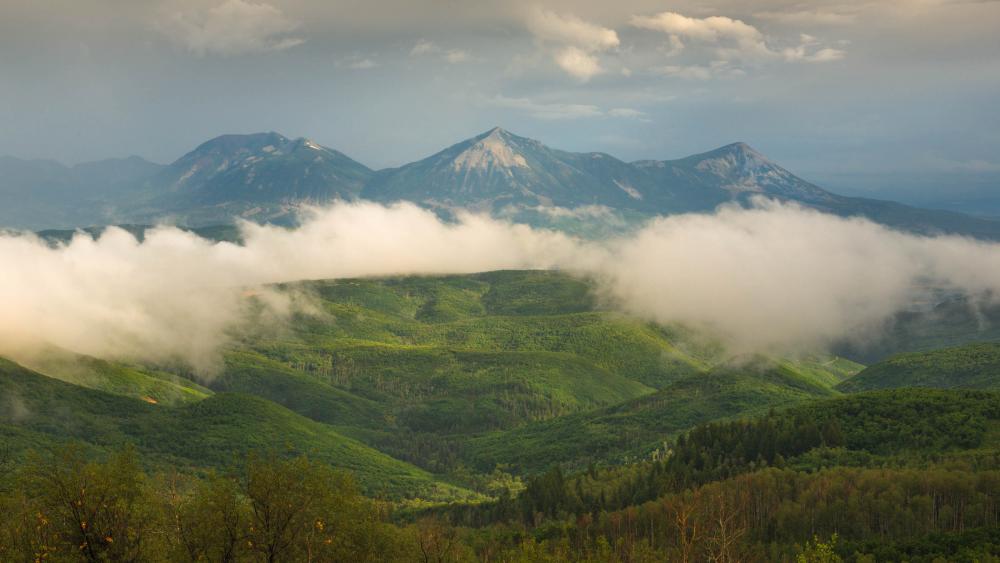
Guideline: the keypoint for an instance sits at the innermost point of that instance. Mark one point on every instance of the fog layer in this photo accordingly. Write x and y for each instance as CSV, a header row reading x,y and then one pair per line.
x,y
771,278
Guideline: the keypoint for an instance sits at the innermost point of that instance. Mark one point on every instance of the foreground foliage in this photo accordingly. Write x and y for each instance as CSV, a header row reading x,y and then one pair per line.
x,y
62,507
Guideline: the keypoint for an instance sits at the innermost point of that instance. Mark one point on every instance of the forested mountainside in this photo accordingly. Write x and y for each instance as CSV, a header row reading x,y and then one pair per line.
x,y
504,416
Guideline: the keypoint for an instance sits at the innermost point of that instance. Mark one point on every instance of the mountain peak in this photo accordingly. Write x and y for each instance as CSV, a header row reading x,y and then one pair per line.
x,y
734,157
498,133
303,142
740,169
491,150
233,144
739,149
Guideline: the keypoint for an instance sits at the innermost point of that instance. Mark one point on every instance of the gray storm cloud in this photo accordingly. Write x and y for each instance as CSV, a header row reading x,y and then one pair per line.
x,y
775,277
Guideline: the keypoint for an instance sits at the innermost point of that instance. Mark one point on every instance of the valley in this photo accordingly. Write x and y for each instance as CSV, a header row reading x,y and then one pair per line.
x,y
456,398
291,281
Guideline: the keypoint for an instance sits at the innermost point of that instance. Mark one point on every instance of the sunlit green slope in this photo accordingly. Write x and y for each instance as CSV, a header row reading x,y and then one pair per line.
x,y
216,432
973,366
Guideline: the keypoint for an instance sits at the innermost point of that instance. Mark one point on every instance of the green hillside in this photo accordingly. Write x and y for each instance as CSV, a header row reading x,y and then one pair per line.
x,y
954,321
973,366
898,427
498,311
253,374
449,370
541,424
910,428
216,432
519,369
448,357
910,422
150,385
635,428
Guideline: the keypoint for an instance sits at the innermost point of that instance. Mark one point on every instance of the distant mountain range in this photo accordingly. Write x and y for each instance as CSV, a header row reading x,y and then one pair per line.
x,y
267,177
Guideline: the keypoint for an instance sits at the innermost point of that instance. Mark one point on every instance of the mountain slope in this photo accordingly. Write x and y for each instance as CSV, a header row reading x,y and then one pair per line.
x,y
266,177
497,169
740,172
46,194
909,421
149,385
733,172
212,433
459,354
261,176
636,427
949,321
973,366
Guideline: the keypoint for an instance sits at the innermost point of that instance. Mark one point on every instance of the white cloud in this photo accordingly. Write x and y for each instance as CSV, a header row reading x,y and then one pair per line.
x,y
235,27
456,56
626,112
570,30
357,61
557,111
451,56
363,64
734,36
772,278
821,56
803,51
714,69
731,40
576,42
552,111
808,17
424,47
578,63
692,72
175,295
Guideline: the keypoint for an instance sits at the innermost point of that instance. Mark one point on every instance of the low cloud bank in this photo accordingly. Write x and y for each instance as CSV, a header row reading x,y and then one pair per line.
x,y
782,278
774,278
174,295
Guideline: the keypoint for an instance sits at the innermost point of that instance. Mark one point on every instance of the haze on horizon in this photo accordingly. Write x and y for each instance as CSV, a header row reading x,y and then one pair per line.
x,y
888,99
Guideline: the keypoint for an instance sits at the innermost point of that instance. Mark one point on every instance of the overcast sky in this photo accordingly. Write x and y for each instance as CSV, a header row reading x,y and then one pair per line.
x,y
859,96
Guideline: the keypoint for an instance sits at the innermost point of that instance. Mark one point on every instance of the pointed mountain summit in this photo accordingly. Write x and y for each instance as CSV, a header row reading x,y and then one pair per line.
x,y
259,176
494,150
259,162
735,171
498,169
268,177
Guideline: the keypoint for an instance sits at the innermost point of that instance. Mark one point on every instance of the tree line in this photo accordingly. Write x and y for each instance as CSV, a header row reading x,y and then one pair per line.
x,y
65,507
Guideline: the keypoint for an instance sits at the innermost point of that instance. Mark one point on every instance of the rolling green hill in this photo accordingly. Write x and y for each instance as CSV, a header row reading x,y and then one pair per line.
x,y
634,428
216,432
253,374
460,354
406,379
974,366
520,367
953,321
150,385
911,421
521,401
895,427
